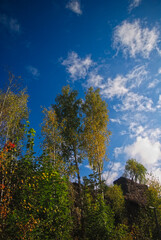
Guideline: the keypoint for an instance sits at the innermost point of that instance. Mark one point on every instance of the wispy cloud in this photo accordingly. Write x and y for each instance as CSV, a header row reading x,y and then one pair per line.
x,y
88,166
33,71
159,102
115,87
153,83
10,23
117,120
76,66
136,130
74,6
134,40
138,116
112,174
121,85
135,102
159,71
137,76
134,4
94,80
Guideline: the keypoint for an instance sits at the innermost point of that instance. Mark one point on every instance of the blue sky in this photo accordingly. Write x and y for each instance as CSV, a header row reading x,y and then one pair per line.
x,y
114,45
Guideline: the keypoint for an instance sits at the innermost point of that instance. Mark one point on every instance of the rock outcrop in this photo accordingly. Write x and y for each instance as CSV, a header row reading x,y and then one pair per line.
x,y
133,192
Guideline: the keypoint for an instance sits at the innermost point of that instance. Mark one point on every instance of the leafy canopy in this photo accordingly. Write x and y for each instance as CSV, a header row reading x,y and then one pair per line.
x,y
135,171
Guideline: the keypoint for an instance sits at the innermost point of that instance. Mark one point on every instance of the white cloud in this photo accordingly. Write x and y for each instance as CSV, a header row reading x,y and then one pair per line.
x,y
134,4
74,5
110,177
123,132
138,130
144,150
81,68
157,173
115,87
33,71
158,50
159,102
146,147
118,151
137,76
95,80
120,85
115,120
10,23
116,166
159,71
129,117
135,129
77,67
88,166
135,40
135,102
153,83
112,174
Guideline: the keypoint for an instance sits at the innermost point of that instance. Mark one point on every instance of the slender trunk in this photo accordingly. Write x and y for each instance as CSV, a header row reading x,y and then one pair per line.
x,y
79,193
77,168
99,169
100,179
7,135
54,155
99,174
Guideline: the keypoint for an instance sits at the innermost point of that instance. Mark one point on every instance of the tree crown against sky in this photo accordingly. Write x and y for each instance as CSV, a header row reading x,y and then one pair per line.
x,y
39,201
135,171
112,45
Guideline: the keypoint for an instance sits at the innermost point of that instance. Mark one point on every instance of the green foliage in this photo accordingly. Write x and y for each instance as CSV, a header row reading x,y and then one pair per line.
x,y
52,136
40,207
136,171
98,218
154,191
95,134
37,201
67,109
154,201
13,112
114,197
121,232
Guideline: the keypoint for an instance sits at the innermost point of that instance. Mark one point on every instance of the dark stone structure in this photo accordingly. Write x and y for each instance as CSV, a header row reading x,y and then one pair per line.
x,y
135,198
133,192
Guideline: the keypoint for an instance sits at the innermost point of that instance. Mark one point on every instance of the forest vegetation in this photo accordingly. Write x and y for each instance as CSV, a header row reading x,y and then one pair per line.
x,y
38,200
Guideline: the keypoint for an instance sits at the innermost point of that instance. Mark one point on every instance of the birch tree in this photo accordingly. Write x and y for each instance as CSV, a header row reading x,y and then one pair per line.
x,y
13,111
95,133
67,109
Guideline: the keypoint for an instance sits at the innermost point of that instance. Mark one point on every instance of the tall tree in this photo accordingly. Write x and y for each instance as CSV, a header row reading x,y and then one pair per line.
x,y
52,136
95,133
67,109
13,110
